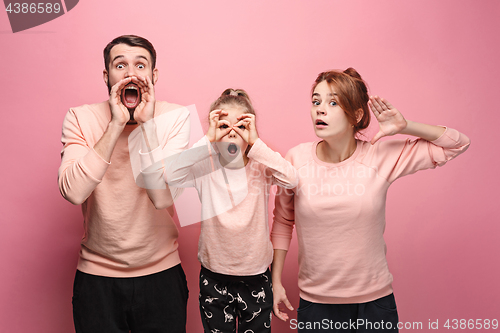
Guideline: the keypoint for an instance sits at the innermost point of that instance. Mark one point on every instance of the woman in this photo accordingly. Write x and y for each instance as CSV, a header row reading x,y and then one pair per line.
x,y
339,206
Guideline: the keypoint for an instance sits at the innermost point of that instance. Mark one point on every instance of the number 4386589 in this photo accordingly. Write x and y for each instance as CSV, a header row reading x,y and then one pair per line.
x,y
33,8
471,324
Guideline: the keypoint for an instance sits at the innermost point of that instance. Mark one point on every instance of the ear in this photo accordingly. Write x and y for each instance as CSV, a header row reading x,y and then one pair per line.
x,y
359,115
105,76
155,75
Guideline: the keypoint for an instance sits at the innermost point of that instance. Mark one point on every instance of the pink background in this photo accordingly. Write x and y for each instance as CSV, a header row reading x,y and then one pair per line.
x,y
437,61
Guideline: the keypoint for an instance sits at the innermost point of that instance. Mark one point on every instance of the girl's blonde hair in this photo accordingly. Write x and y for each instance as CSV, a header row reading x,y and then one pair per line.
x,y
237,97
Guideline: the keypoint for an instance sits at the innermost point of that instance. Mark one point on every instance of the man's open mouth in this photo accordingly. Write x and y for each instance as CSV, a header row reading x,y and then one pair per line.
x,y
131,96
232,149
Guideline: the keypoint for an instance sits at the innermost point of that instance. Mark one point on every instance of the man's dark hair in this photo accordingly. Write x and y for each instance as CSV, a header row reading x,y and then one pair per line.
x,y
130,40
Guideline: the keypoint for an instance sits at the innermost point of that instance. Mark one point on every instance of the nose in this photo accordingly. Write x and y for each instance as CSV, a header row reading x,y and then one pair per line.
x,y
320,110
232,134
130,71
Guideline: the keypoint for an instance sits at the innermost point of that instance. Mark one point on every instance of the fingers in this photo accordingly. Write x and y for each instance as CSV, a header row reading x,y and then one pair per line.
x,y
222,133
376,113
377,137
223,127
215,130
116,90
216,114
280,296
214,117
140,82
246,115
280,315
224,122
119,112
243,122
276,309
376,105
386,104
288,304
248,118
379,105
145,85
240,132
246,131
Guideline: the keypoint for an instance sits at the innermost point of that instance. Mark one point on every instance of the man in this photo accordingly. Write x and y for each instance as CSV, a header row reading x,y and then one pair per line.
x,y
129,276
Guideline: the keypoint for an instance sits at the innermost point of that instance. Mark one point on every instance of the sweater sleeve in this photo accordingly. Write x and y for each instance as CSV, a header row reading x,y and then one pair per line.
x,y
398,158
82,169
173,136
284,216
281,171
180,170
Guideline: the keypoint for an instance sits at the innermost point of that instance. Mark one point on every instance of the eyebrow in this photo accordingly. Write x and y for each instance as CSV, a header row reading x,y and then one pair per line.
x,y
330,94
122,56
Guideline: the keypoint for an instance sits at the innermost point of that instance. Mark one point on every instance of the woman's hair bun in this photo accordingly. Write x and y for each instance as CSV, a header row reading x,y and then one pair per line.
x,y
232,96
235,92
353,73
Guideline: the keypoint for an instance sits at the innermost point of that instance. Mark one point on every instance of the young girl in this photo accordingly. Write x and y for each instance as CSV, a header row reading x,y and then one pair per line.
x,y
233,171
339,205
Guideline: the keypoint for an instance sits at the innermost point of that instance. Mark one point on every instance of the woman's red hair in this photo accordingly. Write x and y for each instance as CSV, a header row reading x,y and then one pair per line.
x,y
352,95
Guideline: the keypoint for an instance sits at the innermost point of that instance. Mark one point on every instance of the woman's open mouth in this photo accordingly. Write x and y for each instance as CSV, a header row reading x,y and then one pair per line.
x,y
131,96
320,123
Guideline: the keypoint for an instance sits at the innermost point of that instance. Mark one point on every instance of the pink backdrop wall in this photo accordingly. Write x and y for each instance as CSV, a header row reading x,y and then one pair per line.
x,y
437,61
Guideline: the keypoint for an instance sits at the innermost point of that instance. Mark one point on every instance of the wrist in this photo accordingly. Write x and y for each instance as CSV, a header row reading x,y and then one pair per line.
x,y
277,286
277,283
276,279
116,126
145,122
147,125
407,128
252,142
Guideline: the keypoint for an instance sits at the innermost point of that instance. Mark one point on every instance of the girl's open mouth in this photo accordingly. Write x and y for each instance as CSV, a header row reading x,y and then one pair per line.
x,y
131,96
232,149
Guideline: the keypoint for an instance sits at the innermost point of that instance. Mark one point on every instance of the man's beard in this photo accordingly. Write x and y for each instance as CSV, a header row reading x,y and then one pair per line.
x,y
132,121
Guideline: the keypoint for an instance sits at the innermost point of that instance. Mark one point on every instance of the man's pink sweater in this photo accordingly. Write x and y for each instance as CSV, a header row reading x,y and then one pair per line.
x,y
124,235
339,211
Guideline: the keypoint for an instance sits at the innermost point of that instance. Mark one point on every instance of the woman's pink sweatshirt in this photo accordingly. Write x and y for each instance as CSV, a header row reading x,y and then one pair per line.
x,y
339,211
